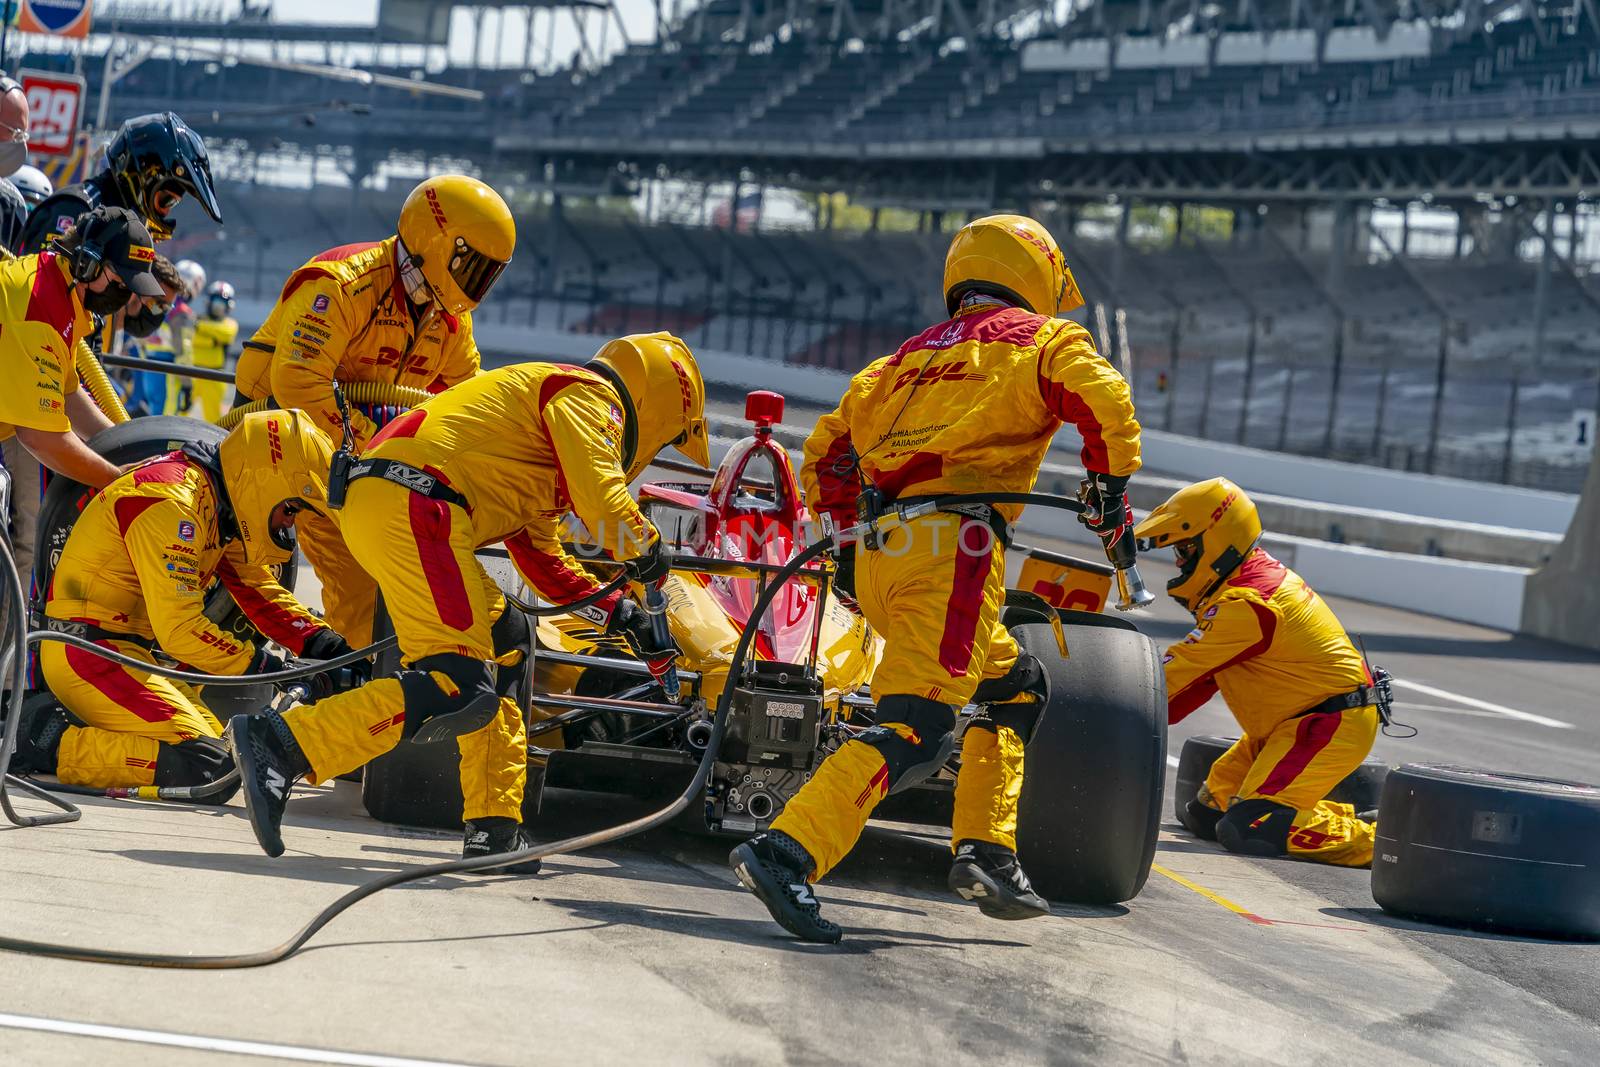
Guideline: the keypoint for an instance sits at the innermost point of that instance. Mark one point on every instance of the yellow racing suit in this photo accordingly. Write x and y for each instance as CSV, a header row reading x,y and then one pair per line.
x,y
517,448
344,316
1275,650
967,406
132,576
212,339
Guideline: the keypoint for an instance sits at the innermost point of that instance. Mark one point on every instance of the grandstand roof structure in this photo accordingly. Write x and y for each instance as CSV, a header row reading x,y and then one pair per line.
x,y
958,104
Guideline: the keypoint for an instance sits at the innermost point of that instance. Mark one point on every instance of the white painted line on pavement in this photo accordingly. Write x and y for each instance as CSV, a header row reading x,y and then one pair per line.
x,y
1474,702
1172,761
213,1044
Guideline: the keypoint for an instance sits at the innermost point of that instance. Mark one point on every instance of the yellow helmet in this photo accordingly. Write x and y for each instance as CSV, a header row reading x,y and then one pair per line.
x,y
1012,257
661,387
461,234
269,458
1211,527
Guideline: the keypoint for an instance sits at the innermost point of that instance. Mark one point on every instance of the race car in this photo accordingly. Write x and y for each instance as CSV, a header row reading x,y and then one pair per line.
x,y
600,721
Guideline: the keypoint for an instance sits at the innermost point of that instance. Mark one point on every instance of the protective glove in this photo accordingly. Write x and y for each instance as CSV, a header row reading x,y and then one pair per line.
x,y
265,662
1107,496
633,623
654,564
324,644
844,575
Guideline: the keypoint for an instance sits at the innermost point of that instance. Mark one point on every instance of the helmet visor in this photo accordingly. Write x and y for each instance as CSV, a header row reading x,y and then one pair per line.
x,y
472,271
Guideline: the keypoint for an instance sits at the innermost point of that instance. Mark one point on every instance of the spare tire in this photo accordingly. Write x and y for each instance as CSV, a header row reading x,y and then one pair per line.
x,y
1096,767
1361,788
130,442
1479,848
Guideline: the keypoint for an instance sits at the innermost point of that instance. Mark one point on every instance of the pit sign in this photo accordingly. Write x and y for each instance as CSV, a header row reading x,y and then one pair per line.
x,y
60,18
55,108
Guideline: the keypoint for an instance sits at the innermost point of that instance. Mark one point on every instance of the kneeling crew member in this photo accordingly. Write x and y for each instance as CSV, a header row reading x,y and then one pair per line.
x,y
397,311
968,405
133,578
503,457
1291,676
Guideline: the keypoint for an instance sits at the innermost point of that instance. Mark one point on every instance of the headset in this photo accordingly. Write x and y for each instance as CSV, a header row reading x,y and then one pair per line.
x,y
85,250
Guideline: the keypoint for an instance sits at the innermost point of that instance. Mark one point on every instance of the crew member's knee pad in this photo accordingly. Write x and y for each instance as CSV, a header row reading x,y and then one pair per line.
x,y
433,713
511,633
915,759
43,723
1016,699
198,761
1256,828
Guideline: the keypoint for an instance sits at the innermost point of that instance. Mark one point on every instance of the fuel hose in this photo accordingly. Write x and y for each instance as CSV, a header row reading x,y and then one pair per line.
x,y
609,835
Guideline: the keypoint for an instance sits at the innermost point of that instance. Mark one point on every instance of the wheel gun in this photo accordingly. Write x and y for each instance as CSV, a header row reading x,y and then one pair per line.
x,y
663,667
1120,552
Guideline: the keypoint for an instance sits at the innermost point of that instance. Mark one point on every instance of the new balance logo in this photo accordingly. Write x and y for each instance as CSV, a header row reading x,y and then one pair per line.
x,y
973,891
802,894
277,785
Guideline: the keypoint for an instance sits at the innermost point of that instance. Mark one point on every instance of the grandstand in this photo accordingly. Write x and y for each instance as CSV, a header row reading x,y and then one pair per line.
x,y
1311,320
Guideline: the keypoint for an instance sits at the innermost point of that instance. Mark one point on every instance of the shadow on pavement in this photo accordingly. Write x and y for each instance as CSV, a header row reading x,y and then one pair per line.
x,y
762,930
1379,917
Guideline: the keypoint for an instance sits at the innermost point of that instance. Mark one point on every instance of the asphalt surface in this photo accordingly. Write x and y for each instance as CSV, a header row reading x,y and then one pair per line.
x,y
649,951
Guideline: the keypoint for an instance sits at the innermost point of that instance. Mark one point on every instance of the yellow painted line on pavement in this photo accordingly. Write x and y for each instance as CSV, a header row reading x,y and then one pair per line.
x,y
1215,898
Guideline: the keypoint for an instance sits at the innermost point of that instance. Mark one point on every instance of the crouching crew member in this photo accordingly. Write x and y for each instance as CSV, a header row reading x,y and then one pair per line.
x,y
503,457
967,406
133,578
397,311
1291,676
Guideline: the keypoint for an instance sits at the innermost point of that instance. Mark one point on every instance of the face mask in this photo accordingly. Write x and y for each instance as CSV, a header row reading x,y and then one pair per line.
x,y
13,155
108,301
146,322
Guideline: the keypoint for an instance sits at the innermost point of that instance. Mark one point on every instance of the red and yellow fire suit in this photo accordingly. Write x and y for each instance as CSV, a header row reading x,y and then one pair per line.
x,y
212,339
138,564
41,322
967,406
344,316
1273,648
524,445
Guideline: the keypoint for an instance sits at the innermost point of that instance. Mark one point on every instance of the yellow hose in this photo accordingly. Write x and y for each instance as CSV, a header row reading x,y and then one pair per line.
x,y
94,378
355,392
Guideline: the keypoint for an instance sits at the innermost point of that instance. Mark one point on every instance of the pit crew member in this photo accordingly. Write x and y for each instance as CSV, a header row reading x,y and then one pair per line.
x,y
133,577
1301,692
502,457
968,405
214,334
397,310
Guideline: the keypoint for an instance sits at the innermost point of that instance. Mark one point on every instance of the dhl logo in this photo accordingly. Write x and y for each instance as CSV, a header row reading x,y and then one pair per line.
x,y
141,254
1036,241
1227,502
222,643
274,442
437,208
954,371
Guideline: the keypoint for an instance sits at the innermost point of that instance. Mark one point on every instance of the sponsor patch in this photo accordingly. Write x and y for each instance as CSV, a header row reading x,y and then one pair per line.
x,y
64,223
320,304
1211,612
186,531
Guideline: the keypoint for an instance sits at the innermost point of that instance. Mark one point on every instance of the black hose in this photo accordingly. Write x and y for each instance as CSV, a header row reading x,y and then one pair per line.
x,y
288,948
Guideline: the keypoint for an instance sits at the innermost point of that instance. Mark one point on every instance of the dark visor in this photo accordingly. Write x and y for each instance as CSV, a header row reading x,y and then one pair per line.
x,y
473,271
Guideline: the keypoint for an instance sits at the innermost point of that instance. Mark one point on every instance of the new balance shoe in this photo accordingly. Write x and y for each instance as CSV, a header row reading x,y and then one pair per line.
x,y
496,835
776,867
989,876
269,760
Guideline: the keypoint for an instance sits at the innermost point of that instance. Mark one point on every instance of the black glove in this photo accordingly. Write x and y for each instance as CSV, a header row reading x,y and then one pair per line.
x,y
325,644
653,565
844,575
1107,496
265,662
633,623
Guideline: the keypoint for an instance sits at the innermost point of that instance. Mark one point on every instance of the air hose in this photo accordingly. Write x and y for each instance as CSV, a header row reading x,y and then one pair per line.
x,y
98,382
354,392
569,845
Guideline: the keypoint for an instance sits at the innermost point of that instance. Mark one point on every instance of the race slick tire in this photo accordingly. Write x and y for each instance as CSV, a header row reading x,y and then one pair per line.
x,y
1096,767
65,500
1479,848
420,785
1361,788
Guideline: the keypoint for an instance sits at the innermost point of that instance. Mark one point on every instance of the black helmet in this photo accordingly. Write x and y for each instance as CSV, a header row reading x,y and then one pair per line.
x,y
155,160
13,214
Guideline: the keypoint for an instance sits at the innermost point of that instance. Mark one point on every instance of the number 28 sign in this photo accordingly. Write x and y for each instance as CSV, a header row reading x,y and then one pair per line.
x,y
55,107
